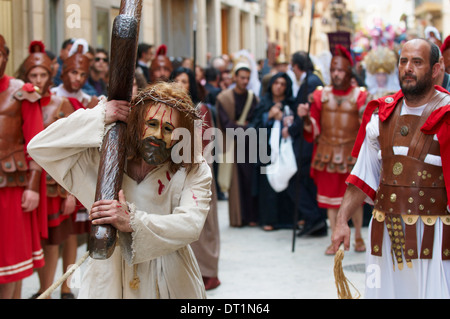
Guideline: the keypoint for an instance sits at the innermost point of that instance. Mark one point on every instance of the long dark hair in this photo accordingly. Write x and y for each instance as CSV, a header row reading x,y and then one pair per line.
x,y
193,90
172,96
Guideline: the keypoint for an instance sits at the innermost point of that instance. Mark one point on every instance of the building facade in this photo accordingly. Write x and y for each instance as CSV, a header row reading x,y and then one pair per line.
x,y
221,26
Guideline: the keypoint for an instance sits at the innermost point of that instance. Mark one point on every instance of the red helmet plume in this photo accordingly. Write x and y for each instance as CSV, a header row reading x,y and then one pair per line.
x,y
162,50
446,44
36,47
342,51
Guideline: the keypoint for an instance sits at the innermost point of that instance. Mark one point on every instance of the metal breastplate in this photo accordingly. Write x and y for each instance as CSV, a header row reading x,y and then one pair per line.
x,y
409,189
13,165
339,128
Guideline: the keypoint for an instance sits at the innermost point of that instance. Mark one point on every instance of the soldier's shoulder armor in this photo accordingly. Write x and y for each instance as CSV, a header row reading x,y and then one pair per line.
x,y
27,92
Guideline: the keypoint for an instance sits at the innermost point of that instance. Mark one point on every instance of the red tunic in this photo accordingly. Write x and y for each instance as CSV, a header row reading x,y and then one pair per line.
x,y
330,186
20,232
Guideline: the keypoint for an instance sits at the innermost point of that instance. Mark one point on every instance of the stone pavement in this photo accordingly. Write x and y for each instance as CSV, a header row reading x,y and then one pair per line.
x,y
255,264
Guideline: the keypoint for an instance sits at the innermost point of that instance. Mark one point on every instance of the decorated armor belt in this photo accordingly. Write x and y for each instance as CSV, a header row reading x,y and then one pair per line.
x,y
14,170
334,158
410,189
54,189
415,201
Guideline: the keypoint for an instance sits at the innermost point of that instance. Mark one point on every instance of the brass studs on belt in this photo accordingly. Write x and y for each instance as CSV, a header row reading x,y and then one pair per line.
x,y
393,198
397,169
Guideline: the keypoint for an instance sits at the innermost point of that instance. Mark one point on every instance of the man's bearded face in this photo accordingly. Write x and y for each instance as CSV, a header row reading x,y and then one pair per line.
x,y
156,144
413,85
414,71
160,69
340,71
74,80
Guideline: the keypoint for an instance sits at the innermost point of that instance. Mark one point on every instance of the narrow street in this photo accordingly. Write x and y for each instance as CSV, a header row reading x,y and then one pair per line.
x,y
255,264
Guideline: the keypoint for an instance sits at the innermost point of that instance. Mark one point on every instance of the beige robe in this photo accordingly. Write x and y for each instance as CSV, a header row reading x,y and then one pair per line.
x,y
207,248
168,212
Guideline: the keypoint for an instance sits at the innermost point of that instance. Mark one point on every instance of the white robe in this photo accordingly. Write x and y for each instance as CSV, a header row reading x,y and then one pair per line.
x,y
168,212
428,278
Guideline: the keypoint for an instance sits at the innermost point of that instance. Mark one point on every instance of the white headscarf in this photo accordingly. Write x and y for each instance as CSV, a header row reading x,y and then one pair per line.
x,y
254,83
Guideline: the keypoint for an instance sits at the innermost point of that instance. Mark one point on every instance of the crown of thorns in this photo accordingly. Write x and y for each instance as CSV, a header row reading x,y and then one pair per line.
x,y
178,104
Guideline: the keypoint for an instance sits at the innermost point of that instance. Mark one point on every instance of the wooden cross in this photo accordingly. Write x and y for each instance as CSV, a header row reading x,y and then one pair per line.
x,y
124,42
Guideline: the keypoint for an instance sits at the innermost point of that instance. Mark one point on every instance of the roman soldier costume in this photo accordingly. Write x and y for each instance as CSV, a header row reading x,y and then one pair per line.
x,y
79,100
411,188
53,108
335,115
20,232
77,61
